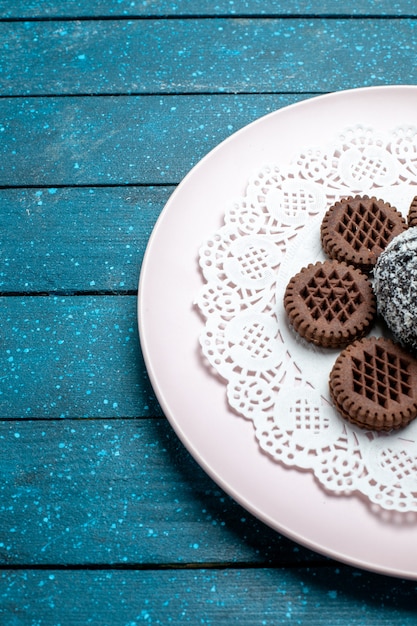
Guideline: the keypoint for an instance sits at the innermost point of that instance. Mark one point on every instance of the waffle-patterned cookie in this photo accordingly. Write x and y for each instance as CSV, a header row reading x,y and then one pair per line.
x,y
330,303
412,213
373,384
357,229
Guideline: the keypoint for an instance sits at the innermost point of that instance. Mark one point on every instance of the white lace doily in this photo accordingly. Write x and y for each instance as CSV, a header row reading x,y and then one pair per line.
x,y
273,377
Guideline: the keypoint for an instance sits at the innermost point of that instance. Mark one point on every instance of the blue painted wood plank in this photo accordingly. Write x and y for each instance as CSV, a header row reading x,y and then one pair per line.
x,y
120,492
336,596
74,8
69,240
118,140
72,357
205,55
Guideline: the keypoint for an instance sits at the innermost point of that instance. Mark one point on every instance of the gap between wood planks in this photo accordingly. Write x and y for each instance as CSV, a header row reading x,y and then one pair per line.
x,y
68,292
226,16
319,562
152,94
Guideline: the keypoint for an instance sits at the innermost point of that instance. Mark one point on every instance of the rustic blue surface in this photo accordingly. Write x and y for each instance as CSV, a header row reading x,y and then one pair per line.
x,y
119,140
266,596
104,517
110,8
72,356
76,239
249,55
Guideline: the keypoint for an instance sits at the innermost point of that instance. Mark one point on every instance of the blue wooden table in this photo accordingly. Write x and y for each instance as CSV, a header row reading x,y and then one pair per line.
x,y
104,516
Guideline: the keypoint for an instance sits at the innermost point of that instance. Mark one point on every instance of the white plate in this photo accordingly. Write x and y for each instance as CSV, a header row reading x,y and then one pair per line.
x,y
194,401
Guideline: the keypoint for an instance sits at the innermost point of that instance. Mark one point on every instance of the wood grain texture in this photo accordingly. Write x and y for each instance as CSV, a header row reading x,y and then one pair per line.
x,y
71,240
104,516
119,140
72,357
121,492
205,55
316,597
20,9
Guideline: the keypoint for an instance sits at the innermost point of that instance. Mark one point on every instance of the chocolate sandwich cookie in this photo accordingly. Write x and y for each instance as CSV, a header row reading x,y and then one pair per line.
x,y
357,229
330,303
373,384
412,213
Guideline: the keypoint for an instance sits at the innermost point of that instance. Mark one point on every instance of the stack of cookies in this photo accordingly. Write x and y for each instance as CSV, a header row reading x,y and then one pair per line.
x,y
333,304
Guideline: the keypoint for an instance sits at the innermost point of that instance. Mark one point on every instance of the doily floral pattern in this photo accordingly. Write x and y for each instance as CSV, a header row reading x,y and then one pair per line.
x,y
272,376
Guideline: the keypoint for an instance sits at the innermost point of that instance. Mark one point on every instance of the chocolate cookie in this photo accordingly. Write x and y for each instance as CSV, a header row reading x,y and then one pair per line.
x,y
412,213
373,384
330,303
357,229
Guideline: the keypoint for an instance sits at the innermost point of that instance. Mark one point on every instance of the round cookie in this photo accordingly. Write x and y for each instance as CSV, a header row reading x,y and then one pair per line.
x,y
395,287
357,229
330,304
373,384
412,213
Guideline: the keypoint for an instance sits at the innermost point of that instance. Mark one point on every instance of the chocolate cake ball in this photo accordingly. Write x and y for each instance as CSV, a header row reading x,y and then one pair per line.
x,y
395,287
